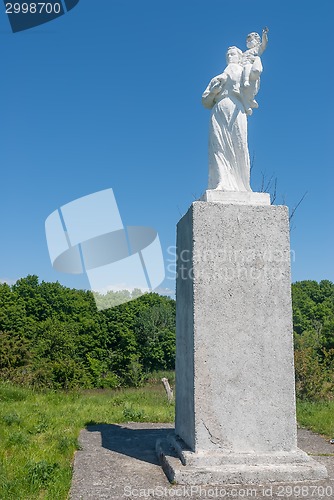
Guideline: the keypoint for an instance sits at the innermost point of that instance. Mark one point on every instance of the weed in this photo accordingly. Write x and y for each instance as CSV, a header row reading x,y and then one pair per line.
x,y
118,401
40,473
18,438
66,443
41,425
130,413
11,418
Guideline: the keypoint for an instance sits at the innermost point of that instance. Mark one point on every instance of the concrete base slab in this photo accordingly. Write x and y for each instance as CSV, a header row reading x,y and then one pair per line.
x,y
119,461
185,467
236,197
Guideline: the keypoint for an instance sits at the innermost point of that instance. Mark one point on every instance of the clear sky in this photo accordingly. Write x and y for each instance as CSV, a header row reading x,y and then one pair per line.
x,y
109,96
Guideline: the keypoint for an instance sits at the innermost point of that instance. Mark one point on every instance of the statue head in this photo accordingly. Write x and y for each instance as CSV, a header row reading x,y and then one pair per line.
x,y
252,40
233,55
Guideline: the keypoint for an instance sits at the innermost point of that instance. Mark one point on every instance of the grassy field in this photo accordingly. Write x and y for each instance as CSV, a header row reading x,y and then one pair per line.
x,y
319,417
39,431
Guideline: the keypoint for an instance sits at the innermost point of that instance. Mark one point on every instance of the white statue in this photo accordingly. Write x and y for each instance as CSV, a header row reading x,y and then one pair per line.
x,y
231,96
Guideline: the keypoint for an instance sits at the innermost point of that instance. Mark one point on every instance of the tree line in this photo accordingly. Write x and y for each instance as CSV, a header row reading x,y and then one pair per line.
x,y
53,336
313,324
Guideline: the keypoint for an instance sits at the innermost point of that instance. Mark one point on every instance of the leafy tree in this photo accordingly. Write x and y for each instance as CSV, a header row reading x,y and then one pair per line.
x,y
54,336
12,310
313,319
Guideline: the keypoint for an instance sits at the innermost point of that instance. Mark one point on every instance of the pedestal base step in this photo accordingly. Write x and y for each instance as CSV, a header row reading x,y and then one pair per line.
x,y
197,469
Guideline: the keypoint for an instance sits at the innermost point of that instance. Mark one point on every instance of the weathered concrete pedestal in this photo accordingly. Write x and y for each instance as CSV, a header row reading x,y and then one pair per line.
x,y
235,396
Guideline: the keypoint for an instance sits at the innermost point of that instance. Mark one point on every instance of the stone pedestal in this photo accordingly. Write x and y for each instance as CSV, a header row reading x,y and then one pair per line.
x,y
236,197
235,397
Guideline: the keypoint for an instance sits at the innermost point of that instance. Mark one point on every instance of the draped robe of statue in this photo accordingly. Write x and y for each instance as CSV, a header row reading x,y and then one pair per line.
x,y
229,164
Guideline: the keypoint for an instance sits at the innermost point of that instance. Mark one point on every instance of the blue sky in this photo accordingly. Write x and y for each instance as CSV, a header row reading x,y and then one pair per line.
x,y
109,95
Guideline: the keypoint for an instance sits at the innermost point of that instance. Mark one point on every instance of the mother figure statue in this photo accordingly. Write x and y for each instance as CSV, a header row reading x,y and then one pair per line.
x,y
229,164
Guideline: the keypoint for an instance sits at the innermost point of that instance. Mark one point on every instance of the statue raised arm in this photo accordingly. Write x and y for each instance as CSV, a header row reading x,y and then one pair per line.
x,y
252,65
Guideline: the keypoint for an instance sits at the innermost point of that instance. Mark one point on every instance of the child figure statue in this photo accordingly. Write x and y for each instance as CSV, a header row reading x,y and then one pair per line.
x,y
252,69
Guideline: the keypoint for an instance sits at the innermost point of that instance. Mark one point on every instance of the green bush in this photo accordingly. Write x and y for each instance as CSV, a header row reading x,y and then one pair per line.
x,y
40,473
11,418
313,319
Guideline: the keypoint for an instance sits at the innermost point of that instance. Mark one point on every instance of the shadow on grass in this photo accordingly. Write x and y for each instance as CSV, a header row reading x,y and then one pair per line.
x,y
133,442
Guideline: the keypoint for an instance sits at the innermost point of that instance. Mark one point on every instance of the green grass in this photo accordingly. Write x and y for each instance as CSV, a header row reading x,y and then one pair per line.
x,y
39,432
317,416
